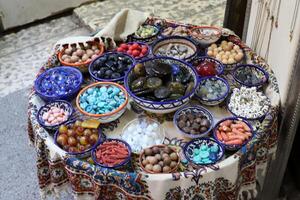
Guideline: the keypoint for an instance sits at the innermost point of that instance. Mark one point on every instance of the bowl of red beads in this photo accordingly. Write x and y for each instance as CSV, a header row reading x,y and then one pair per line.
x,y
207,66
138,50
78,137
112,153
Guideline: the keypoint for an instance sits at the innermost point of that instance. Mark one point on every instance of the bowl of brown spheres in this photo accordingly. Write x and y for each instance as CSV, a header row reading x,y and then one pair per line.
x,y
159,159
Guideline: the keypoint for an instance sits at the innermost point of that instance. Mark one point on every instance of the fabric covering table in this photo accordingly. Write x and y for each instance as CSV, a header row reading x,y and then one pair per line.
x,y
238,176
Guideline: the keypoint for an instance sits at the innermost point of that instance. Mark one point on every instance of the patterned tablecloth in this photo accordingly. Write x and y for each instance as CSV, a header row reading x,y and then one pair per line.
x,y
238,176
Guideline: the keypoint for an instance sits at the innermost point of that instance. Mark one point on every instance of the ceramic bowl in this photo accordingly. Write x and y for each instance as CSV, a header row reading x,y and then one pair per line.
x,y
148,40
66,106
173,30
232,147
218,65
163,43
83,67
142,156
106,117
197,143
193,109
259,118
211,102
205,35
42,91
141,44
230,67
142,122
118,80
257,71
115,166
85,153
166,106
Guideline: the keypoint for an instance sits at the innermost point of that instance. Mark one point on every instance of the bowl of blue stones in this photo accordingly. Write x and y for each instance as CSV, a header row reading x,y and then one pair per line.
x,y
212,90
193,121
105,101
250,75
59,83
111,67
203,151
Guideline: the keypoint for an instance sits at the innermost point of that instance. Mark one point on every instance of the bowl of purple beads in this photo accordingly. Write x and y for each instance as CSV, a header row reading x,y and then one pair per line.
x,y
59,83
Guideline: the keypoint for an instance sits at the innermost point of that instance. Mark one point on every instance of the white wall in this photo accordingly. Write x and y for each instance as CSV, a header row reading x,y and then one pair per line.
x,y
19,12
282,50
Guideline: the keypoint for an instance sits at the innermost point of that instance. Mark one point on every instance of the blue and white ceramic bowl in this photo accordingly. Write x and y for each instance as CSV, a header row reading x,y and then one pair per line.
x,y
148,40
232,147
61,104
257,71
86,153
123,163
117,80
163,43
218,65
193,109
72,79
215,101
188,149
166,106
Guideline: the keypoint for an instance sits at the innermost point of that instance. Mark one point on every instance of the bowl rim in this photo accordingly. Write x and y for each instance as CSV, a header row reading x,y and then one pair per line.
x,y
59,55
157,102
198,107
246,118
42,122
211,58
218,29
104,114
163,131
140,43
234,118
124,162
145,38
174,37
77,153
107,54
213,77
207,139
37,87
159,146
257,67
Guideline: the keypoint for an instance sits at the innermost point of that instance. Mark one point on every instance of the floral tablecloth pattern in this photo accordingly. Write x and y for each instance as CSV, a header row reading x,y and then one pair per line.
x,y
236,177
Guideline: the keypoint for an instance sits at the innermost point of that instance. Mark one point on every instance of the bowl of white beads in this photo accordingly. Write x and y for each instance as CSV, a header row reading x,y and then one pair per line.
x,y
248,103
143,132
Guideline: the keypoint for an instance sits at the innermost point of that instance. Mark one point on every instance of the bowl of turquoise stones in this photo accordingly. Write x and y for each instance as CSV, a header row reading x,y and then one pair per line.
x,y
250,75
161,84
212,90
105,101
203,151
193,121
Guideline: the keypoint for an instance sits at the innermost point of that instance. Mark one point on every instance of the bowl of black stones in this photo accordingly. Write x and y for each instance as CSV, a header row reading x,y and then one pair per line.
x,y
193,121
212,90
177,47
111,67
161,84
250,75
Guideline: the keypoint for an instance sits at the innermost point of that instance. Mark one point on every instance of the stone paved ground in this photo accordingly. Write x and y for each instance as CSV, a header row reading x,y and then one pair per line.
x,y
22,54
